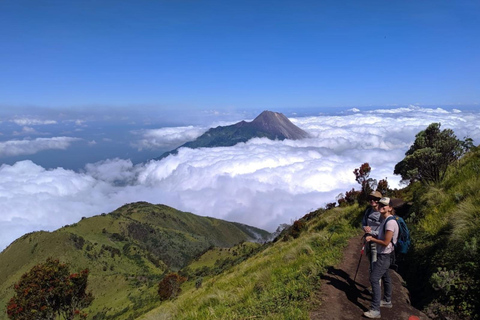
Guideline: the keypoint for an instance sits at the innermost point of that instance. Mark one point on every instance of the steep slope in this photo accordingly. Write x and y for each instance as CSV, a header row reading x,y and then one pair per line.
x,y
444,278
126,251
268,124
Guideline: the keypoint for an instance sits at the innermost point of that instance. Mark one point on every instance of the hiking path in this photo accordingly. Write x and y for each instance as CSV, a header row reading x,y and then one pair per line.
x,y
341,298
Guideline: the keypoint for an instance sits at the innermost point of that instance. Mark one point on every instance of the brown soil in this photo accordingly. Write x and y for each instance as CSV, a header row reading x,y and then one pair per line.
x,y
344,299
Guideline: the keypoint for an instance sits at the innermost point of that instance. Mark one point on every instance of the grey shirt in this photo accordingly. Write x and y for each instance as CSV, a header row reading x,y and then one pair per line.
x,y
372,219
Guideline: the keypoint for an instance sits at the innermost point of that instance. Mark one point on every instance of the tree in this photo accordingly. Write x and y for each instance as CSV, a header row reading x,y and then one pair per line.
x,y
382,187
430,155
48,291
362,177
169,287
341,200
351,196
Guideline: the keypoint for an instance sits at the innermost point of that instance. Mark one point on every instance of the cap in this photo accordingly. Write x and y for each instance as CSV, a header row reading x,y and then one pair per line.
x,y
385,201
375,194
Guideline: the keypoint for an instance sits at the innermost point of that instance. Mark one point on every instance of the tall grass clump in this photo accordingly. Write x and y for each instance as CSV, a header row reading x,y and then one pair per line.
x,y
278,282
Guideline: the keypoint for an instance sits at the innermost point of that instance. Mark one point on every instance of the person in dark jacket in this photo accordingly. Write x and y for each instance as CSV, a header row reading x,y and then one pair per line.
x,y
370,224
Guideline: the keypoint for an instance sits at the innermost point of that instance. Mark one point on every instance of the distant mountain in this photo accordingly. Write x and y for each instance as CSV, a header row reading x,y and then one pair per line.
x,y
268,124
126,251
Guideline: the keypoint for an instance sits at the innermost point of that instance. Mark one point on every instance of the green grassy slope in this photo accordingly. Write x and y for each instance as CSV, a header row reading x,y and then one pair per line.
x,y
278,282
127,251
443,275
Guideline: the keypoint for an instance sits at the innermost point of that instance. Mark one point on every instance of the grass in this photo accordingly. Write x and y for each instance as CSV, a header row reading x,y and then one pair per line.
x,y
445,236
277,283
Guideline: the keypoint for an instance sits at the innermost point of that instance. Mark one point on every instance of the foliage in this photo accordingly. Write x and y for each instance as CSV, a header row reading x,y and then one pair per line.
x,y
330,205
169,287
48,291
382,187
430,155
351,196
297,228
362,177
443,272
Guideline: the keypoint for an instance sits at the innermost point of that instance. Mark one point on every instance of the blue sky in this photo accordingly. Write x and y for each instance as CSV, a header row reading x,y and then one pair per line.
x,y
195,55
90,91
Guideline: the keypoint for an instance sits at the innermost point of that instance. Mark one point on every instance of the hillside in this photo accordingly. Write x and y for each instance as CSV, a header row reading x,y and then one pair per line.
x,y
278,281
445,218
127,252
268,124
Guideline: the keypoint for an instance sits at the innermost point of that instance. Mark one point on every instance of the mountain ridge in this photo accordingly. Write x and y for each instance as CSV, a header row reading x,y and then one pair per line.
x,y
129,248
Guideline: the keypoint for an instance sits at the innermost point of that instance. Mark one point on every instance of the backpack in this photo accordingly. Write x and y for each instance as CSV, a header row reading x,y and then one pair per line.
x,y
403,241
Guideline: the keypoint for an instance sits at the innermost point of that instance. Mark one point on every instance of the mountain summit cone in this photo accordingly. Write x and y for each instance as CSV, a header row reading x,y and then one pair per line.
x,y
279,125
269,124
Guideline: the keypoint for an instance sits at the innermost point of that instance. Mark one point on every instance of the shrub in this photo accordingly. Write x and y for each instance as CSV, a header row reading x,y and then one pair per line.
x,y
49,290
297,228
169,287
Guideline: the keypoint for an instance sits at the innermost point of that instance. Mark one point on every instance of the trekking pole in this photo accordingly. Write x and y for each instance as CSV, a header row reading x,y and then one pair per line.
x,y
360,260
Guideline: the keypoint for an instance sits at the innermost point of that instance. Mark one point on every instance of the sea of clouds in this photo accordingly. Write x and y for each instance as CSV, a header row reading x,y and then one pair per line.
x,y
262,183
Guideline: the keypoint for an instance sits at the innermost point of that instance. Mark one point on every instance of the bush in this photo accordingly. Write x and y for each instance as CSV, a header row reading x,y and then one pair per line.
x,y
49,290
169,287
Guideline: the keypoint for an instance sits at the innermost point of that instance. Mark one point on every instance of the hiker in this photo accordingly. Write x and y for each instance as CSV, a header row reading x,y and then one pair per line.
x,y
387,237
370,223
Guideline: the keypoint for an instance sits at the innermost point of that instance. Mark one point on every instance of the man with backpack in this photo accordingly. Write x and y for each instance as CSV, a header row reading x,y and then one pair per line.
x,y
370,224
387,236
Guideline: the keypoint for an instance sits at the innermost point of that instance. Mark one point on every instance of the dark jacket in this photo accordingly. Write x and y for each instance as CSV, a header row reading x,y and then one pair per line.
x,y
371,218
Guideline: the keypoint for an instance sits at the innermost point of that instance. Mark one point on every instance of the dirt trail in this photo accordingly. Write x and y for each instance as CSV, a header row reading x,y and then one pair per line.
x,y
343,299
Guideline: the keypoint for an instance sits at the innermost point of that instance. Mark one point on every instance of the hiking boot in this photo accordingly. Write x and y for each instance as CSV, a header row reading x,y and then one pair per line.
x,y
386,304
372,314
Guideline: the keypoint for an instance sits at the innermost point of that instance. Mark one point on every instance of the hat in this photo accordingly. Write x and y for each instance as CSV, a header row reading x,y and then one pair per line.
x,y
397,202
385,201
375,194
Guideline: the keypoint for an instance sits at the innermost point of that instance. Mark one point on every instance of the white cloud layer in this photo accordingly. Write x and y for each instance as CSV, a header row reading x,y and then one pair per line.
x,y
32,146
170,137
262,183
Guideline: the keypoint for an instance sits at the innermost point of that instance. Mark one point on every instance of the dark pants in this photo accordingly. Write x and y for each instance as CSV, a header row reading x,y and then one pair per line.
x,y
381,271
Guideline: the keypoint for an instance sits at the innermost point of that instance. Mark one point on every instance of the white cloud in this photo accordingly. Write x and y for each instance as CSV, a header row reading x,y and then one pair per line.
x,y
172,137
261,182
26,131
167,137
27,146
112,171
32,122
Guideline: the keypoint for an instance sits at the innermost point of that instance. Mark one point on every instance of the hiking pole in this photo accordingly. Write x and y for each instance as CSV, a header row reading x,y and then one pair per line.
x,y
360,260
